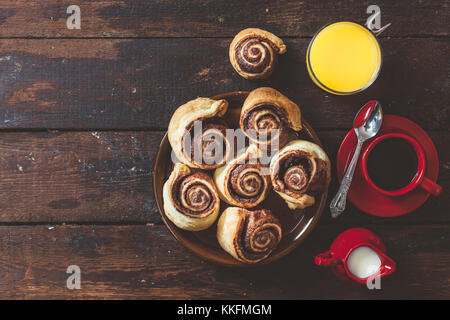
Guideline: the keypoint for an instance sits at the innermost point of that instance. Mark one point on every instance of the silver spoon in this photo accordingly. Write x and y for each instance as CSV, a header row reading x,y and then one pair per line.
x,y
366,125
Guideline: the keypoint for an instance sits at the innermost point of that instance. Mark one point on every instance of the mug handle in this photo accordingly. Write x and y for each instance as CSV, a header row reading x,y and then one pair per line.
x,y
431,187
326,259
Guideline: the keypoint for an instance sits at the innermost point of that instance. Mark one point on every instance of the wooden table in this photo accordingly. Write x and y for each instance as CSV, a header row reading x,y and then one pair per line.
x,y
82,113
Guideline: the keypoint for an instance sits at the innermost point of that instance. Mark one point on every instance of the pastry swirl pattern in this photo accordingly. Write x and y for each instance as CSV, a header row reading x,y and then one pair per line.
x,y
190,198
249,236
254,53
242,182
299,171
207,148
267,117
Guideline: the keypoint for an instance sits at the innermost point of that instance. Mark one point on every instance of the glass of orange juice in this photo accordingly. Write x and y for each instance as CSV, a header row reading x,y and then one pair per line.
x,y
344,58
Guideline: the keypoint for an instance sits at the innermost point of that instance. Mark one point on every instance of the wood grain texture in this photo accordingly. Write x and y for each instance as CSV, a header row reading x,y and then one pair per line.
x,y
106,177
125,262
77,176
83,194
213,18
123,84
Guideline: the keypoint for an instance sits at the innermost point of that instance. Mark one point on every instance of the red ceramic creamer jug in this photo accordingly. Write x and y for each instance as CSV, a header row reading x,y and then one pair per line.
x,y
340,250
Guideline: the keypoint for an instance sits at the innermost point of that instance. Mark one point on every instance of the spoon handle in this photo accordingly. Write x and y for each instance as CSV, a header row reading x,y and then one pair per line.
x,y
337,205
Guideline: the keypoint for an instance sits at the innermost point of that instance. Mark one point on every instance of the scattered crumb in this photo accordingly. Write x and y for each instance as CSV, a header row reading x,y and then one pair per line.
x,y
51,228
20,167
204,72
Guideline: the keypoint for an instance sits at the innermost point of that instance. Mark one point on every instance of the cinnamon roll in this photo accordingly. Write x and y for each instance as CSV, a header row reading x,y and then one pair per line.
x,y
254,53
242,182
191,200
249,236
197,133
267,117
299,171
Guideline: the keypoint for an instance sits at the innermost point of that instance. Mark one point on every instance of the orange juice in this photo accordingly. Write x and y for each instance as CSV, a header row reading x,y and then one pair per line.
x,y
343,58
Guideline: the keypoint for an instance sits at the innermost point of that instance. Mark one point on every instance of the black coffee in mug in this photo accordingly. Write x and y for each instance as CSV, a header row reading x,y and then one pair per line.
x,y
392,164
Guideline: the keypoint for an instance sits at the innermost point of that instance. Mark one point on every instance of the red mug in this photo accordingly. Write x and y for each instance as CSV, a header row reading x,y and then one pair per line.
x,y
419,178
342,247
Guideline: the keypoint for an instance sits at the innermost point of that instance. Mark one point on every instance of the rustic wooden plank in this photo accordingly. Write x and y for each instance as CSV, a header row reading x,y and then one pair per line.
x,y
218,18
105,177
77,176
118,84
145,262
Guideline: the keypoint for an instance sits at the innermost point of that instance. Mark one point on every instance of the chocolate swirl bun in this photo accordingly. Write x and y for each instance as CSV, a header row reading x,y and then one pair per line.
x,y
267,117
254,53
191,200
299,171
207,148
241,182
249,236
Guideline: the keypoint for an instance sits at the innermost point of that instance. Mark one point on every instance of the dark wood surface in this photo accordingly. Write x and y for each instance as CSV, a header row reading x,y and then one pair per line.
x,y
138,83
82,113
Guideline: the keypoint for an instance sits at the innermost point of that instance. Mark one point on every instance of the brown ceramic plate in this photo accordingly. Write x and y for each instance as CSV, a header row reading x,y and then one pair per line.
x,y
296,224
